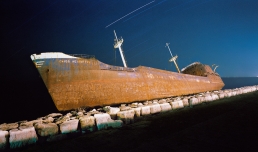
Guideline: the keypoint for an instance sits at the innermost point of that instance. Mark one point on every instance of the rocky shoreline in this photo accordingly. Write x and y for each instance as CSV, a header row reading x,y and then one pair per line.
x,y
57,126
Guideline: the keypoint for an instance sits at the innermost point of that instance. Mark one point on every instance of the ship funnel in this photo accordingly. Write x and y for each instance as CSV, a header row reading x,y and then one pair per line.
x,y
173,58
118,44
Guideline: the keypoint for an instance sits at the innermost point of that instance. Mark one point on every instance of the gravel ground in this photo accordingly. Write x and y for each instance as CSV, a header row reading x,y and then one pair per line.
x,y
226,124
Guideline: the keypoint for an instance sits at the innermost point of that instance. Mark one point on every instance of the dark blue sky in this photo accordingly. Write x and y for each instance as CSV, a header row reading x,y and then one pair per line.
x,y
222,32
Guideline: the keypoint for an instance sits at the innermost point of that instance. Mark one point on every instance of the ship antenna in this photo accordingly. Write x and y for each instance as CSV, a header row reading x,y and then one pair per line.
x,y
173,58
118,43
215,68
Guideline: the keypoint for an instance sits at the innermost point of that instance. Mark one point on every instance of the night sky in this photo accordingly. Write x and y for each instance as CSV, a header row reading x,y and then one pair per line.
x,y
218,32
221,32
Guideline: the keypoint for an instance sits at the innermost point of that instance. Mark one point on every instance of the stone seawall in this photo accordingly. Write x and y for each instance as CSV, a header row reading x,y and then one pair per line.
x,y
56,126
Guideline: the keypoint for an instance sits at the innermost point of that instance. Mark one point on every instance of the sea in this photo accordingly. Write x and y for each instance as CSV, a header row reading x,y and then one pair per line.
x,y
29,100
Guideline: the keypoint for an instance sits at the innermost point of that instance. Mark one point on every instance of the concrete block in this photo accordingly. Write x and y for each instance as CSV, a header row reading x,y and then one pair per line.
x,y
87,123
200,98
22,137
180,103
208,97
214,96
103,121
49,129
145,110
112,111
229,94
69,126
155,108
221,95
177,104
185,102
126,116
165,107
3,139
137,111
193,101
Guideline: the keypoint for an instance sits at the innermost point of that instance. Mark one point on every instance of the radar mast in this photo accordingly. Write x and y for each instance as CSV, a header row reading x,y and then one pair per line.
x,y
118,44
173,58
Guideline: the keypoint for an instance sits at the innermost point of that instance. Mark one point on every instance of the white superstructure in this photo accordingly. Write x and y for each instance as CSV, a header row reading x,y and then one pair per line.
x,y
50,55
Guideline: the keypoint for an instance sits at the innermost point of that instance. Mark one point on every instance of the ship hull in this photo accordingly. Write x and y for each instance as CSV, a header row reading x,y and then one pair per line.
x,y
78,82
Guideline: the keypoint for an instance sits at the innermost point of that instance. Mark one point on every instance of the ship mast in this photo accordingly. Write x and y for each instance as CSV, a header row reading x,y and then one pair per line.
x,y
118,43
173,58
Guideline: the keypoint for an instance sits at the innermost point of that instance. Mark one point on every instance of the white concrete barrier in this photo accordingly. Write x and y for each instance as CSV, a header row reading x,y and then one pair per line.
x,y
137,111
3,139
221,95
103,121
145,110
185,102
87,123
112,111
214,96
69,126
22,137
49,129
193,101
126,116
208,97
165,107
154,108
200,98
177,104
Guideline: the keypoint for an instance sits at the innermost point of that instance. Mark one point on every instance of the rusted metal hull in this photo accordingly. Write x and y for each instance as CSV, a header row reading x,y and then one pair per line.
x,y
78,82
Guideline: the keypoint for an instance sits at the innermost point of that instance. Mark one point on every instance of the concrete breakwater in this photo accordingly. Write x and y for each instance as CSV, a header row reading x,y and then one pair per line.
x,y
57,126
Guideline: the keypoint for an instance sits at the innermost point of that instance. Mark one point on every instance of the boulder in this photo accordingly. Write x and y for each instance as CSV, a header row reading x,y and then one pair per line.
x,y
69,126
162,101
3,139
9,126
79,114
126,116
62,119
22,137
134,105
30,123
87,123
104,121
49,129
54,115
123,107
48,120
165,107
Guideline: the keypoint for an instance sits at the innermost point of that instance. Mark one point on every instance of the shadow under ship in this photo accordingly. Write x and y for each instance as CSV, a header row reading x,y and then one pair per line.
x,y
75,81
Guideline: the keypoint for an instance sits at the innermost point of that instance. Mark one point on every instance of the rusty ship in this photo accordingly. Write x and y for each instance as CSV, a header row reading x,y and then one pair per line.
x,y
75,81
